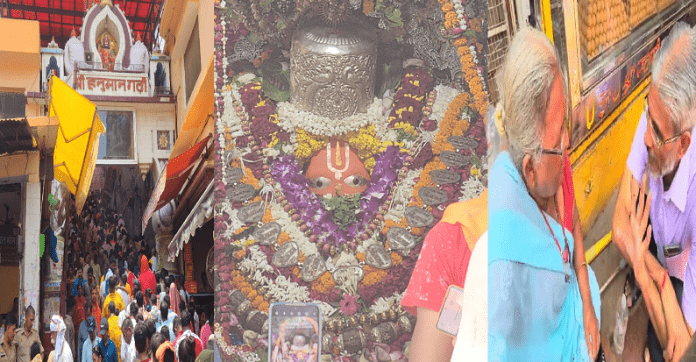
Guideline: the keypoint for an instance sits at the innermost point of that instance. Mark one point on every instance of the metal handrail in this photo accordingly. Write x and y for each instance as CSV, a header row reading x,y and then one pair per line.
x,y
115,67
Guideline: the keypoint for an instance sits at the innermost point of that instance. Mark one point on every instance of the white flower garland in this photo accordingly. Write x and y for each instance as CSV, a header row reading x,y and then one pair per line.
x,y
322,126
459,9
471,188
445,95
281,288
385,304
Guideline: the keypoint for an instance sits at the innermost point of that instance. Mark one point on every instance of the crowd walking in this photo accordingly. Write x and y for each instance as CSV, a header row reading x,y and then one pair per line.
x,y
131,315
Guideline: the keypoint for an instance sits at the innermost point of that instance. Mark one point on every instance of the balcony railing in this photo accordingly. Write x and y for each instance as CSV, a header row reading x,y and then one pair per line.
x,y
163,91
114,67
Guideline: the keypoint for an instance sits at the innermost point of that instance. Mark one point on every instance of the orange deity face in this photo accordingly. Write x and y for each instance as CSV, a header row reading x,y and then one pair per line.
x,y
337,170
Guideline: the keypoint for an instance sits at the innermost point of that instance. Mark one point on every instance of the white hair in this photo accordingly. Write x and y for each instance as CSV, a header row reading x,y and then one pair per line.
x,y
531,66
494,138
674,76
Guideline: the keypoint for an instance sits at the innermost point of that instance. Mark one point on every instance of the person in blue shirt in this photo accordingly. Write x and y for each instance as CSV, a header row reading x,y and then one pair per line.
x,y
83,333
79,280
106,344
85,348
166,319
109,272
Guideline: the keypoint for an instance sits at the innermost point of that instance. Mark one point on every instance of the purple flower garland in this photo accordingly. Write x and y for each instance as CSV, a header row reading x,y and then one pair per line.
x,y
295,186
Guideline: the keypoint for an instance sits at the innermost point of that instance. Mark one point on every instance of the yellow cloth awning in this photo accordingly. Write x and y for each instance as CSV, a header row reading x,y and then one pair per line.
x,y
77,143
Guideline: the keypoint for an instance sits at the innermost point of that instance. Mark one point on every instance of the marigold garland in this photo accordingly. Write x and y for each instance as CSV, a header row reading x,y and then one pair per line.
x,y
451,124
364,142
248,177
239,282
469,68
368,7
373,275
402,223
324,283
396,258
451,20
283,238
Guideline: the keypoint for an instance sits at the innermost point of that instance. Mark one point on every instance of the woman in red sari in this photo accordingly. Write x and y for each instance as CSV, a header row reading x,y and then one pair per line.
x,y
79,313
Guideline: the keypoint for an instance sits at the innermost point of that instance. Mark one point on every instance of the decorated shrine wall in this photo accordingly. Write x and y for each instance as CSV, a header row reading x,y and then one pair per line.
x,y
331,169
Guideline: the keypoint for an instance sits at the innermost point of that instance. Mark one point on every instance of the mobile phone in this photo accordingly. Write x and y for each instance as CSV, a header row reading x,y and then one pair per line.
x,y
294,332
672,250
451,311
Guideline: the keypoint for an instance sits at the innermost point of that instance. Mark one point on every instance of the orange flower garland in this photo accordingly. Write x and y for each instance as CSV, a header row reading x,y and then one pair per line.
x,y
373,275
451,124
451,19
368,6
396,258
404,224
283,238
240,283
324,283
468,65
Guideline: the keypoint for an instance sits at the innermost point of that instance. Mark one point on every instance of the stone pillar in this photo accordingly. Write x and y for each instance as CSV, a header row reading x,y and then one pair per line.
x,y
29,237
162,224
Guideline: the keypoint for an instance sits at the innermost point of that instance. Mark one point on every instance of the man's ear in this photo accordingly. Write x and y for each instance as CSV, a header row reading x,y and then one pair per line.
x,y
684,143
528,171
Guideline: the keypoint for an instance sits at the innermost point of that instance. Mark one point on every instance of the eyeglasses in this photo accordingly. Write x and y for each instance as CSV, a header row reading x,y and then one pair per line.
x,y
655,131
558,151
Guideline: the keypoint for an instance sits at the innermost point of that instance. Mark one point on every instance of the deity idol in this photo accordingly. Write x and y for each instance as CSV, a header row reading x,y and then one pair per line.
x,y
107,53
337,170
326,198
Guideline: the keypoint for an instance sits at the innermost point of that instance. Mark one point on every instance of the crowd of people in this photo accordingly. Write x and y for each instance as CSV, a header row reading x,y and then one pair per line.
x,y
131,315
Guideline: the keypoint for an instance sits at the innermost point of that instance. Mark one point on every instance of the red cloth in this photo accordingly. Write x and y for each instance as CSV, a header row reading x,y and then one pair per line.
x,y
79,313
96,312
130,281
568,195
205,333
443,261
174,298
147,277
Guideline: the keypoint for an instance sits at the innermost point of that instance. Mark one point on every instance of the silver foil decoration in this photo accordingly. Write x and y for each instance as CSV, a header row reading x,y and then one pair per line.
x,y
332,71
245,49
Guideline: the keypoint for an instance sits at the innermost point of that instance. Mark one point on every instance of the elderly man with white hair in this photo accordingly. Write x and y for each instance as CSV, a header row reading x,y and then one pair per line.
x,y
539,303
62,353
661,158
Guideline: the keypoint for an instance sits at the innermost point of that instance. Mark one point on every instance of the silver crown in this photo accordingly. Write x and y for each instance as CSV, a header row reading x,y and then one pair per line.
x,y
332,71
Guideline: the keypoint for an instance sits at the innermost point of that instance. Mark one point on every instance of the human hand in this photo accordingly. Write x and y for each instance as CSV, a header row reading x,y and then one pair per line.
x,y
591,330
638,221
676,346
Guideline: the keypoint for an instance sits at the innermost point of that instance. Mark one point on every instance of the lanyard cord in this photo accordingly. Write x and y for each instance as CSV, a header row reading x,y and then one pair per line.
x,y
564,253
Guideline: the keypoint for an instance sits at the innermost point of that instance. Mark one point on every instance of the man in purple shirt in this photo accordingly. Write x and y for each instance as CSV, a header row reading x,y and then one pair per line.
x,y
661,149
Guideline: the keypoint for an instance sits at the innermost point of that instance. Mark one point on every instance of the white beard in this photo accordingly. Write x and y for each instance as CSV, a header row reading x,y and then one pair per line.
x,y
664,169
